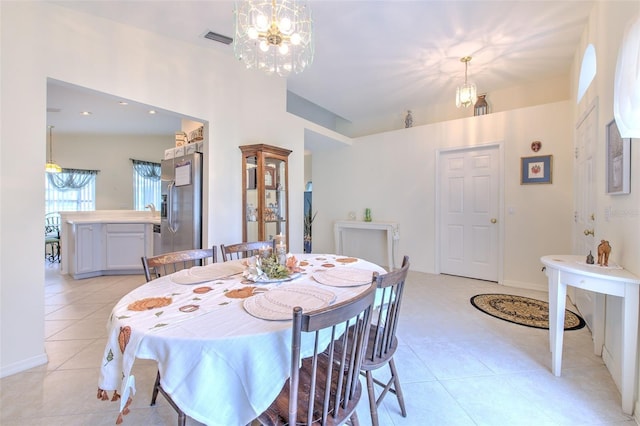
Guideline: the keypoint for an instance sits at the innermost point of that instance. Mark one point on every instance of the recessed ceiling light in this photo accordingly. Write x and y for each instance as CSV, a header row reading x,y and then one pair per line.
x,y
152,111
86,113
123,103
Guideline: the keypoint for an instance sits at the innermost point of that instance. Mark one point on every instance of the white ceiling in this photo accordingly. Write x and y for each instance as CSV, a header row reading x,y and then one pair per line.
x,y
372,58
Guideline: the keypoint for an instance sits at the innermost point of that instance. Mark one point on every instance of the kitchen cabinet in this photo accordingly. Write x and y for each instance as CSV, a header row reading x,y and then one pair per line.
x,y
87,253
265,183
125,244
95,246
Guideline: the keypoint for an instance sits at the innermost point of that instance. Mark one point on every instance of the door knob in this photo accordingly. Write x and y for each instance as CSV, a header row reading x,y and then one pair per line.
x,y
589,232
494,220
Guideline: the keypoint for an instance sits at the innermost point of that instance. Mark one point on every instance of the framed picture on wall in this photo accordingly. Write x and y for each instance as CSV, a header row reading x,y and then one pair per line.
x,y
536,169
618,161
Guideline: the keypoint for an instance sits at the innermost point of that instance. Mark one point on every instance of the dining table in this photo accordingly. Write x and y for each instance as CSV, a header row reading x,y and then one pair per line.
x,y
221,340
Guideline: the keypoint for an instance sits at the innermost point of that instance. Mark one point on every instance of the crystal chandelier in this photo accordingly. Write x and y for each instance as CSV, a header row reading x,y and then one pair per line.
x,y
274,36
51,166
466,95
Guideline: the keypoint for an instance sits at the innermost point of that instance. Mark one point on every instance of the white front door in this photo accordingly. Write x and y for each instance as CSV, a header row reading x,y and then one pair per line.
x,y
469,197
584,204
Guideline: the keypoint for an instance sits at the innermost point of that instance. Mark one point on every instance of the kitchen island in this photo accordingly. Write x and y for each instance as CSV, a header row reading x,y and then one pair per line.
x,y
105,242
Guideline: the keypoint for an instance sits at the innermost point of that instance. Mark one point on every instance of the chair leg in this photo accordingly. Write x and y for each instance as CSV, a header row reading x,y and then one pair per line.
x,y
182,417
397,388
156,387
353,420
373,406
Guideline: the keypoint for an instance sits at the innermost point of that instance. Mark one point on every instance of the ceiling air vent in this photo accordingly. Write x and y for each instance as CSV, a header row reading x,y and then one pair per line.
x,y
218,37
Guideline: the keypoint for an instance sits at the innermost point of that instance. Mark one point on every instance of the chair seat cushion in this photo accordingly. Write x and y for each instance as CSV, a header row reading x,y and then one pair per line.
x,y
278,413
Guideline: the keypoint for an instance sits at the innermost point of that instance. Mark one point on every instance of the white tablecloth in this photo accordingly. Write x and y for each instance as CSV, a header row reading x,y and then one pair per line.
x,y
221,365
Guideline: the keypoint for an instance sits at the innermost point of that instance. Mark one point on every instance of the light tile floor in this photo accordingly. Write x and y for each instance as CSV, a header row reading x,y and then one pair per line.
x,y
457,365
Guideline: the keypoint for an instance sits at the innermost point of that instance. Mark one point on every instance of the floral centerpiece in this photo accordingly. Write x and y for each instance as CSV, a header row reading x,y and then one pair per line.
x,y
269,268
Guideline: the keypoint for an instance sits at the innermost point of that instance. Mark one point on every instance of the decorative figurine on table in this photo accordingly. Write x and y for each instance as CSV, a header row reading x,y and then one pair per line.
x,y
604,249
590,260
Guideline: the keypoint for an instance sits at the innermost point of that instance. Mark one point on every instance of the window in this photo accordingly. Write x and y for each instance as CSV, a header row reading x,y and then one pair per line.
x,y
587,70
146,184
70,190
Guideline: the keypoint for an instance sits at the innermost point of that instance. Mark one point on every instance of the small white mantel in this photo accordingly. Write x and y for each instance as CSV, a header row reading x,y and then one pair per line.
x,y
391,229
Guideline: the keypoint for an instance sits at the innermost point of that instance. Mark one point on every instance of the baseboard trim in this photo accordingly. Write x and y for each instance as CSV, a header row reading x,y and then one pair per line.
x,y
526,285
23,365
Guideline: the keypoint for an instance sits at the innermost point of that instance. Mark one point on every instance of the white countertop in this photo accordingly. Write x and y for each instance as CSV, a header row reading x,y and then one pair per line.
x,y
110,216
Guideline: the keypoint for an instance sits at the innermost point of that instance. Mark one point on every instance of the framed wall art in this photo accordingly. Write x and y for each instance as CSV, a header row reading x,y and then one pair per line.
x,y
618,161
536,169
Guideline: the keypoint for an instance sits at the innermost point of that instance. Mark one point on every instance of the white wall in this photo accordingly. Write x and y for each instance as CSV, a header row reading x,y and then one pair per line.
x,y
535,93
393,173
111,154
240,107
606,26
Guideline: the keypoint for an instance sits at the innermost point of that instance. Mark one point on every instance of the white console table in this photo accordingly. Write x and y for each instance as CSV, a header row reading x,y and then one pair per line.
x,y
391,228
564,270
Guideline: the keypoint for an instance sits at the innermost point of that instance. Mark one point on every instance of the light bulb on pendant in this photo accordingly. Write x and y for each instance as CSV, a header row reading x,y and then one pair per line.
x,y
283,49
262,23
285,25
466,95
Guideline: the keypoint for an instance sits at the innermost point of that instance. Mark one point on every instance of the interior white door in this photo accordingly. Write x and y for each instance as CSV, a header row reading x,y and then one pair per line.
x,y
469,205
584,204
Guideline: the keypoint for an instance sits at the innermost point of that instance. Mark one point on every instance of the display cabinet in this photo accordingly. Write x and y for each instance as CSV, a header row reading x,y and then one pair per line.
x,y
265,199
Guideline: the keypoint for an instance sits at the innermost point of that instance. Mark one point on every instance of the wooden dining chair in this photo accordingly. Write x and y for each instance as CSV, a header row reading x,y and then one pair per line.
x,y
164,264
382,342
325,388
168,263
244,250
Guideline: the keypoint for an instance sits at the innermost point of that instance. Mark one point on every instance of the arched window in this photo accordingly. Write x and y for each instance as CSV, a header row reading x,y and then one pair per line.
x,y
626,90
587,71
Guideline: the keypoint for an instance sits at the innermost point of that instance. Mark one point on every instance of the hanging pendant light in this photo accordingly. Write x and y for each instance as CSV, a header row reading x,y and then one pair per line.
x,y
51,166
466,95
274,36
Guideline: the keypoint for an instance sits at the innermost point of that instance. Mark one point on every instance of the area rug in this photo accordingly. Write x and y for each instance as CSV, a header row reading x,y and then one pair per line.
x,y
523,310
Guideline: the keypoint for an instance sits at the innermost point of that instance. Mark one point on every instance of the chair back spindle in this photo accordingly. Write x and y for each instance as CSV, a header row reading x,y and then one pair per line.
x,y
324,386
168,263
245,250
383,343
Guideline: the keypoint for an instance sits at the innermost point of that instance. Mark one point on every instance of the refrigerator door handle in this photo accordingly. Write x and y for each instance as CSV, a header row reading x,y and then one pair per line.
x,y
170,225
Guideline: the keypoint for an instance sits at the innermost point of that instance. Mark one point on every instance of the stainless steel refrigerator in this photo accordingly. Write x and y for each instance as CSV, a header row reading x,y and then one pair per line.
x,y
181,206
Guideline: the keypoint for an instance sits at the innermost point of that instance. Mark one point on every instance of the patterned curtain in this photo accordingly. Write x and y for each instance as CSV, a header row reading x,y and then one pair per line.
x,y
147,169
71,178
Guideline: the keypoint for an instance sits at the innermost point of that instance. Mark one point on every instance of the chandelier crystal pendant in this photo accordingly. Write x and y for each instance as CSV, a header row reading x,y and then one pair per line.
x,y
466,95
274,36
51,166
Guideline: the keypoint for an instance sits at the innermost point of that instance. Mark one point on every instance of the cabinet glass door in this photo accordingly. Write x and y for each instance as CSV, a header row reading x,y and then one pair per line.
x,y
251,199
265,192
275,198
